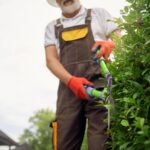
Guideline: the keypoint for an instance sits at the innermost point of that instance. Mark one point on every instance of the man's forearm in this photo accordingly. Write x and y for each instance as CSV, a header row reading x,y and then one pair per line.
x,y
58,70
54,65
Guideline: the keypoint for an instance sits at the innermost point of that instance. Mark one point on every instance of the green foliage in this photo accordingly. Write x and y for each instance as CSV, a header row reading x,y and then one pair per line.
x,y
39,135
131,85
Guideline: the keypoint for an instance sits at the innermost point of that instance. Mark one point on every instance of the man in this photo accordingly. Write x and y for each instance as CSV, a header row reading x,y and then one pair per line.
x,y
69,41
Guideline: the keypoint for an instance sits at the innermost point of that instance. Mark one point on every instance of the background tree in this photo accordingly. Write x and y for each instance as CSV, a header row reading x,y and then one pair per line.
x,y
39,134
131,85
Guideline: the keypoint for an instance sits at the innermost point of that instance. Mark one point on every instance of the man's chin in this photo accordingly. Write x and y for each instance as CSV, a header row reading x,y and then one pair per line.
x,y
69,11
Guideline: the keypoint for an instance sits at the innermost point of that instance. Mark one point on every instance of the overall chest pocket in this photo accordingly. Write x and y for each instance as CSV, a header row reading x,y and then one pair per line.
x,y
74,34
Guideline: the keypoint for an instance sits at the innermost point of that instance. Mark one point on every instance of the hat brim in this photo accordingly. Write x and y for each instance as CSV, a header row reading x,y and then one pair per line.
x,y
52,3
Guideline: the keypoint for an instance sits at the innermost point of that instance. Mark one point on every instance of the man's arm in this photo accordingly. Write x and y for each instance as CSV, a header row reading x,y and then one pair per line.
x,y
54,65
76,84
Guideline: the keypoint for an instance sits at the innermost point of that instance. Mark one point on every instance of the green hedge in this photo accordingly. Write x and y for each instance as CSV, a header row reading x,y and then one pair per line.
x,y
131,79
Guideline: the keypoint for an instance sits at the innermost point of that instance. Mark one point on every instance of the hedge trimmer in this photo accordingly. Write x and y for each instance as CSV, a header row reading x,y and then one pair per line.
x,y
103,96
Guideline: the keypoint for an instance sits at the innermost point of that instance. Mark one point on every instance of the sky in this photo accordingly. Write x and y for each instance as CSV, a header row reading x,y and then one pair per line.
x,y
26,85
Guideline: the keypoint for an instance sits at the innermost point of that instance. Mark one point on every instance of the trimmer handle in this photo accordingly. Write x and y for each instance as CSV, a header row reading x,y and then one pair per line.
x,y
103,67
93,93
101,62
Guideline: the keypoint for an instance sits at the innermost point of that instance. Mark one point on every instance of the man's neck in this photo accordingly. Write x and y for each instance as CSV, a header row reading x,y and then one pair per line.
x,y
70,15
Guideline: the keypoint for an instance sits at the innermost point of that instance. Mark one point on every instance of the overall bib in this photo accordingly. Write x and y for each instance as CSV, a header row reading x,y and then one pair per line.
x,y
76,56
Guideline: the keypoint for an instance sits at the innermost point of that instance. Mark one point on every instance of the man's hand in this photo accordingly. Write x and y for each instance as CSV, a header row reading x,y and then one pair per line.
x,y
106,48
76,84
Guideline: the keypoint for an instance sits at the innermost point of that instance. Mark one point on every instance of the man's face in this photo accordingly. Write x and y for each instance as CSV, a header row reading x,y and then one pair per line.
x,y
68,6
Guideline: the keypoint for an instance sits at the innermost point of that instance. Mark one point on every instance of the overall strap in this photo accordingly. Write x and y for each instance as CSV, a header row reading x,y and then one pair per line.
x,y
58,27
88,16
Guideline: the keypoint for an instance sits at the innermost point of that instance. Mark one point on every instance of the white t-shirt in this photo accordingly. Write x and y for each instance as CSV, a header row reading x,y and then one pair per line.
x,y
101,24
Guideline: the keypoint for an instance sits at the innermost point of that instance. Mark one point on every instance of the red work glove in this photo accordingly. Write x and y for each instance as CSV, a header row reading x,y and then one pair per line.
x,y
106,48
76,84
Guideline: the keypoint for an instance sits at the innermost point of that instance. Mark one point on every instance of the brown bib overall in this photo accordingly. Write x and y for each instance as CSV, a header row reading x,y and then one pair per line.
x,y
76,57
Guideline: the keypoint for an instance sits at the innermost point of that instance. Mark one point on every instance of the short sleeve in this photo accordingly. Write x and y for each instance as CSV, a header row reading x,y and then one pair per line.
x,y
107,21
49,38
